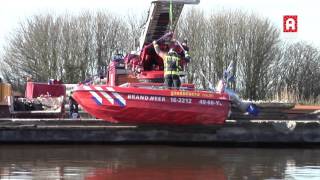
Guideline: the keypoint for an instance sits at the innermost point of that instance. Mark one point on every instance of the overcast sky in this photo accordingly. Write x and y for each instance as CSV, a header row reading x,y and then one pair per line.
x,y
14,11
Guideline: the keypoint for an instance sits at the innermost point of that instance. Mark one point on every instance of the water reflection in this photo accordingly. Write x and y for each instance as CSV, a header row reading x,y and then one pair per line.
x,y
95,162
305,172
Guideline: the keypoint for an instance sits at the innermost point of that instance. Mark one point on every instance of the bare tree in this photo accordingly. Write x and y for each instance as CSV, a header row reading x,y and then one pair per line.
x,y
111,33
247,40
260,46
64,47
135,24
189,27
298,72
32,50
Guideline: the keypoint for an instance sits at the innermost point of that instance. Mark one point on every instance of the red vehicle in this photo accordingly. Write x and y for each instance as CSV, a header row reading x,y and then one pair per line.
x,y
135,92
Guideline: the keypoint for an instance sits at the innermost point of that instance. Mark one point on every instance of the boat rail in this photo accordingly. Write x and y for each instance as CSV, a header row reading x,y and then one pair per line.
x,y
160,86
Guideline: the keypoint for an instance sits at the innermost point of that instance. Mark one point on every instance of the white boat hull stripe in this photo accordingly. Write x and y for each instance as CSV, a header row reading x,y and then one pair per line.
x,y
106,95
117,95
94,94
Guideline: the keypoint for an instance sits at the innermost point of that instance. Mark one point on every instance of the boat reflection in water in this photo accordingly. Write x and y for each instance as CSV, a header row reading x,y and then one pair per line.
x,y
159,173
95,162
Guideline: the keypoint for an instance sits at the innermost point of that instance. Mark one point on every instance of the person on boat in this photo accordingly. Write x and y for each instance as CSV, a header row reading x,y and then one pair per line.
x,y
183,51
171,61
73,108
186,55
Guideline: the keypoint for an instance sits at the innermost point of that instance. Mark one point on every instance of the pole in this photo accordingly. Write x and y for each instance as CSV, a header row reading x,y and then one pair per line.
x,y
171,15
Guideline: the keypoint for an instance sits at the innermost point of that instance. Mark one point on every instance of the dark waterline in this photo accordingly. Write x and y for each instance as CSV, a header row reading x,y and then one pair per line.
x,y
95,162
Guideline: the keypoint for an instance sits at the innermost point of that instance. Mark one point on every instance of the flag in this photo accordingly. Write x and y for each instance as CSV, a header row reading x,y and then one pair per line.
x,y
228,73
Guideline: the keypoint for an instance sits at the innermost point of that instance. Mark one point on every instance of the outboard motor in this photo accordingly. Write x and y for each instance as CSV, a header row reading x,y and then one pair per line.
x,y
235,99
242,105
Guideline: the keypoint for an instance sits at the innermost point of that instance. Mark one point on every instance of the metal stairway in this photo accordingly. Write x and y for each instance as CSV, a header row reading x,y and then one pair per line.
x,y
158,23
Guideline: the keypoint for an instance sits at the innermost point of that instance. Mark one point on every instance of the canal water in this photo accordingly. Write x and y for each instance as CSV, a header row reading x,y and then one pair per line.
x,y
146,162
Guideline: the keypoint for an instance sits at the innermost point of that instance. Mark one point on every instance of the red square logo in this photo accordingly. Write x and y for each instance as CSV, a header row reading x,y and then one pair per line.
x,y
290,23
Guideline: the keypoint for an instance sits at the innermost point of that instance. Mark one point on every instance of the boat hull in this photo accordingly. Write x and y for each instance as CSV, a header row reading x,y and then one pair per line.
x,y
140,106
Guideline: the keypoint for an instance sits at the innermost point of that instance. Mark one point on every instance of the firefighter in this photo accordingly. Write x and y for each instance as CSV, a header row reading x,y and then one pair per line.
x,y
171,66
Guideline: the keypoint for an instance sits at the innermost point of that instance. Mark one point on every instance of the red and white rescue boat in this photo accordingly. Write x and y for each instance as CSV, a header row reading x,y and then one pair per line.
x,y
132,104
